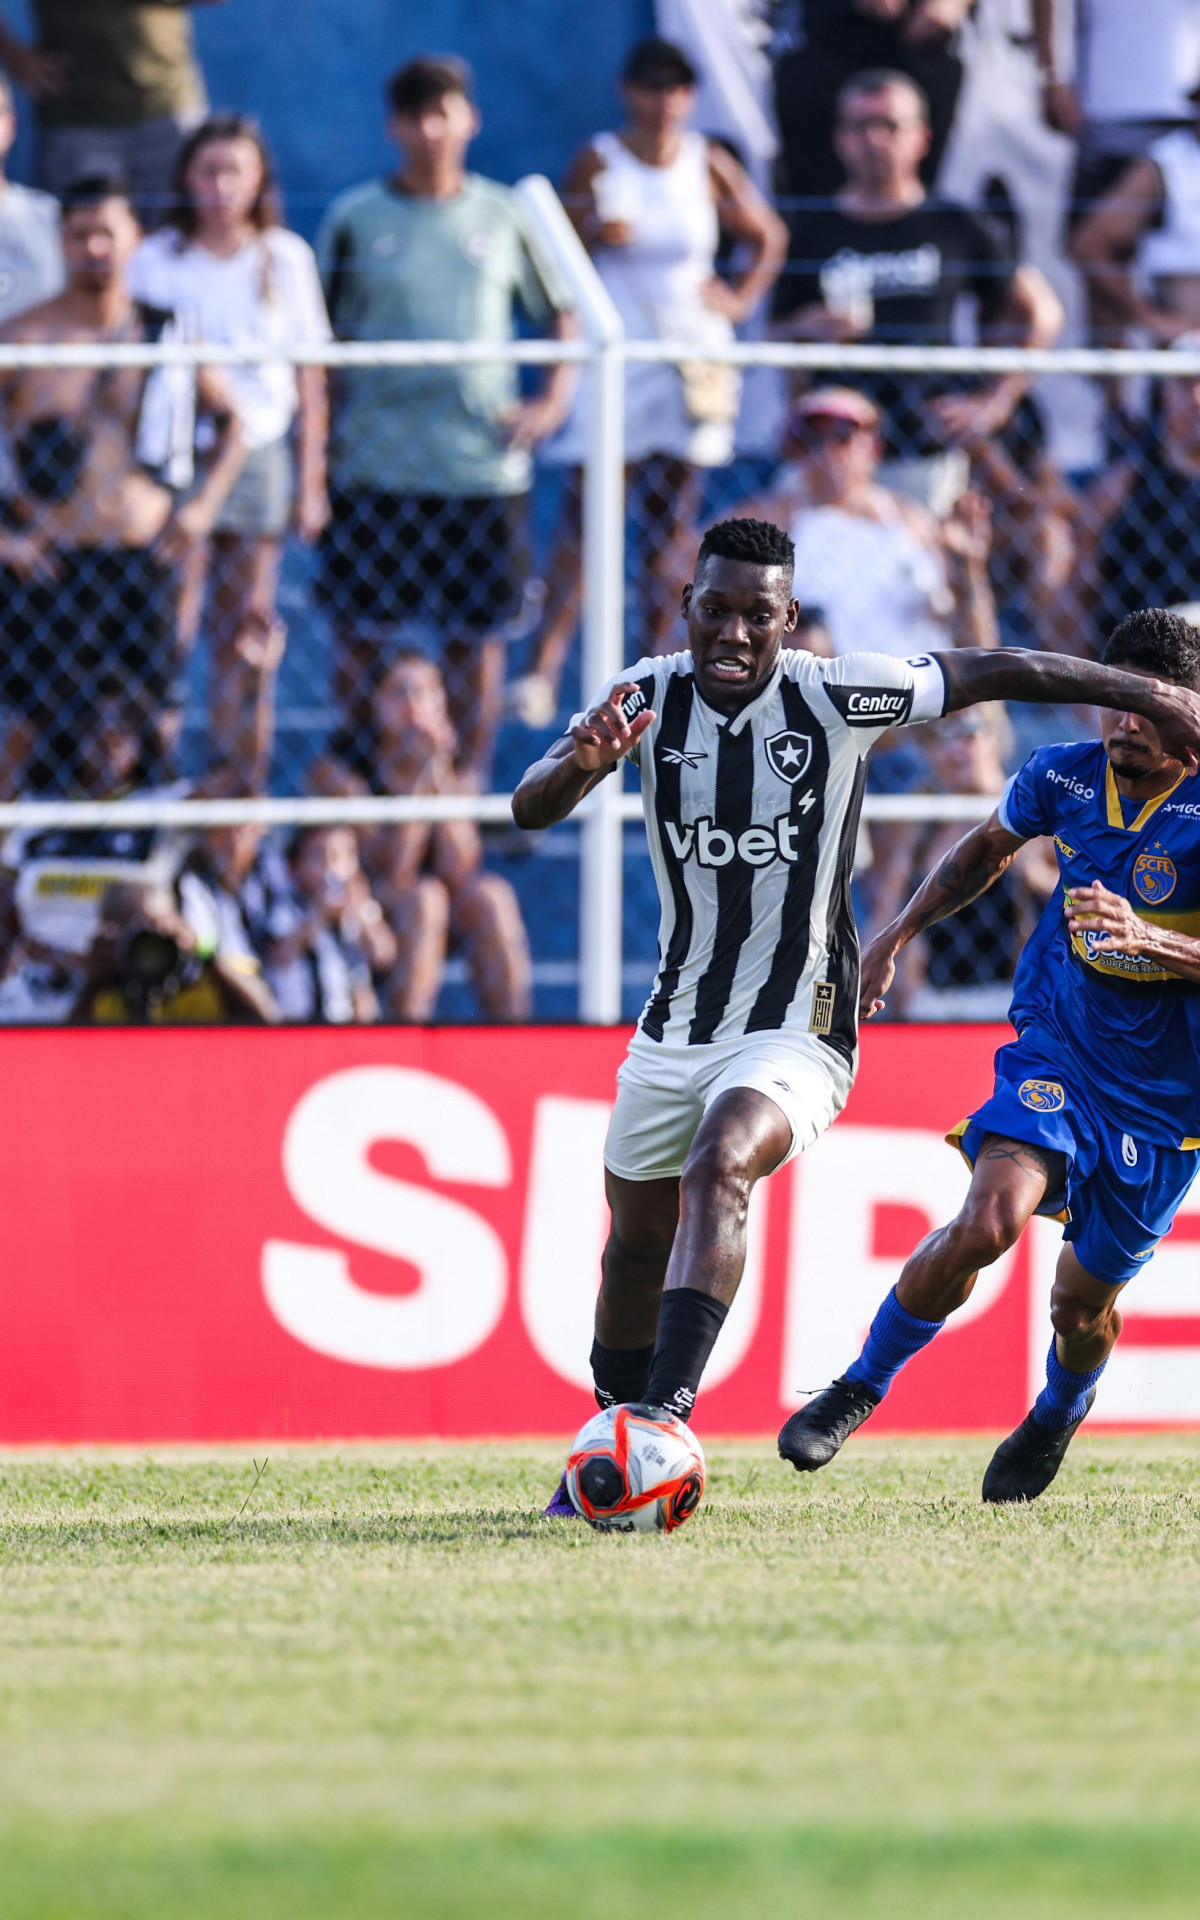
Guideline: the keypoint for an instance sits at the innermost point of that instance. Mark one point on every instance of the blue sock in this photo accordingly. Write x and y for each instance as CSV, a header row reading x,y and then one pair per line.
x,y
1064,1396
894,1338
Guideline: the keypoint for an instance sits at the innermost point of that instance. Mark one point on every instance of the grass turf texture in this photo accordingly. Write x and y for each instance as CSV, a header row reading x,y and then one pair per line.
x,y
373,1682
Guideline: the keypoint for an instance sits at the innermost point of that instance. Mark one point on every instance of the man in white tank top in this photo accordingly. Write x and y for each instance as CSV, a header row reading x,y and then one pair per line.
x,y
1150,220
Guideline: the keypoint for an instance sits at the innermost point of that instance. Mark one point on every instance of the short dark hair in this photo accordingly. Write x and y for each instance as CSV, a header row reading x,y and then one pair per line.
x,y
1158,642
430,77
93,189
873,80
654,58
760,542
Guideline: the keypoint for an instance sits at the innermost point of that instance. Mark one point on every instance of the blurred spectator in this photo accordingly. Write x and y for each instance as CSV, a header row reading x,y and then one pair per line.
x,y
328,939
431,465
223,260
918,38
116,86
888,264
1137,524
31,265
98,529
1146,229
884,573
1003,159
651,203
430,879
962,968
1134,61
53,879
148,965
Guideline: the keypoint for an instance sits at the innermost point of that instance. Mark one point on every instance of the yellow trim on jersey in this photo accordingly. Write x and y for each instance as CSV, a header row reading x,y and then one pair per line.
x,y
1113,802
1189,1145
955,1139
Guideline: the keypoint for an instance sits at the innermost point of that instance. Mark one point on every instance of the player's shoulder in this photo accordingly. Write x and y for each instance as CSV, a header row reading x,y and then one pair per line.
x,y
1077,766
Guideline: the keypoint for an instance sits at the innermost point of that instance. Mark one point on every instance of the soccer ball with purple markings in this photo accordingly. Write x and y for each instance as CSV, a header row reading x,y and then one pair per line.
x,y
635,1470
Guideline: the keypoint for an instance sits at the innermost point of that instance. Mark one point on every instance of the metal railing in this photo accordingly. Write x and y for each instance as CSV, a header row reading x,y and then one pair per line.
x,y
605,352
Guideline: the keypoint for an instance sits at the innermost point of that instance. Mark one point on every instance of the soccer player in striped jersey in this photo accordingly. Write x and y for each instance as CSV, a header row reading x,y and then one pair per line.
x,y
752,757
1095,1115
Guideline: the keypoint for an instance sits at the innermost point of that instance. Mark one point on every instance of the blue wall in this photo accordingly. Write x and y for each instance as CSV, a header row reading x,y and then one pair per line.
x,y
313,70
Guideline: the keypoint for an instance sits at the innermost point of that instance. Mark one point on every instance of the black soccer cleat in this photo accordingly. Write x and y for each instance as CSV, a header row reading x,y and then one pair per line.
x,y
1024,1465
813,1435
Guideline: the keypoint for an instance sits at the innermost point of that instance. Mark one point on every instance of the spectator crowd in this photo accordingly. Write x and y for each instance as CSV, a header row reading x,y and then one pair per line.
x,y
1009,172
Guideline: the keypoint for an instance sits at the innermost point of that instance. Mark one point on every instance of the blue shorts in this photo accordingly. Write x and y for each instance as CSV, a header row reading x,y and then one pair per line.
x,y
1121,1194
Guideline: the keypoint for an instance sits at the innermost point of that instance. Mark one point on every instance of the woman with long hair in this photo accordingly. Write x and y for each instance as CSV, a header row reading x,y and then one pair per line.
x,y
223,259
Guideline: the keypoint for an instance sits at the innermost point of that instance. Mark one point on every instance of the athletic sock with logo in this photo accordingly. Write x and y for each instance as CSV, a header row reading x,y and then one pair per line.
x,y
895,1336
1064,1396
688,1325
621,1374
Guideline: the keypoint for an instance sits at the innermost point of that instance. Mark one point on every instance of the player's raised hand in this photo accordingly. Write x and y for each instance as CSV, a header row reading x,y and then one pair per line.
x,y
1109,918
878,972
1179,726
605,735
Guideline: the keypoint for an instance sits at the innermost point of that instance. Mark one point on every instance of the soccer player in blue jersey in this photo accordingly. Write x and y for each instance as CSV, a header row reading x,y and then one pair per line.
x,y
1095,1115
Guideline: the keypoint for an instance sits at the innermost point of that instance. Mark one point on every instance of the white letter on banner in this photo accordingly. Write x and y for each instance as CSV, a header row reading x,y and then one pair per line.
x,y
566,1224
1142,1385
461,1260
835,1282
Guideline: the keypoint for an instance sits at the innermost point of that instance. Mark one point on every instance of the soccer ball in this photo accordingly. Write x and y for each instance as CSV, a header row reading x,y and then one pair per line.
x,y
635,1470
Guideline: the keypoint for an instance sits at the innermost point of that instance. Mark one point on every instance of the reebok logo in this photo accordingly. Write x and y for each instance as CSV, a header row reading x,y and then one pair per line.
x,y
712,846
871,706
682,757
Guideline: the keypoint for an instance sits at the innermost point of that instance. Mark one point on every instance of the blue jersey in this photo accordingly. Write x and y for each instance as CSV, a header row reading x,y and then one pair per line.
x,y
1125,1027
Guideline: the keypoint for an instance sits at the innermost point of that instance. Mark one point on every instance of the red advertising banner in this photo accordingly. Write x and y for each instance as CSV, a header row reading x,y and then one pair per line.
x,y
240,1235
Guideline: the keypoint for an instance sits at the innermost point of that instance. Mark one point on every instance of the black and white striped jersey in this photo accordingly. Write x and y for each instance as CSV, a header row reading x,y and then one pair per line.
x,y
752,821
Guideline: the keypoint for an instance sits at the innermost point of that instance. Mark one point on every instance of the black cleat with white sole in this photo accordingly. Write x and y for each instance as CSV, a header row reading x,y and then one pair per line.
x,y
813,1435
1024,1465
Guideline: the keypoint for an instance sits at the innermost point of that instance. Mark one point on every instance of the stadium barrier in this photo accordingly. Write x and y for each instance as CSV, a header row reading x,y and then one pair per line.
x,y
1057,573
263,1236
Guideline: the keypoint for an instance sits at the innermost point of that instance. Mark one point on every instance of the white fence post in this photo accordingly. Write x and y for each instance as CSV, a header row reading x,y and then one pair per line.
x,y
600,866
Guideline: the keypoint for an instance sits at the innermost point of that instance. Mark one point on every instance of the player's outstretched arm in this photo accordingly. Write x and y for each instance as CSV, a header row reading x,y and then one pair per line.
x,y
555,785
968,870
1116,928
1010,674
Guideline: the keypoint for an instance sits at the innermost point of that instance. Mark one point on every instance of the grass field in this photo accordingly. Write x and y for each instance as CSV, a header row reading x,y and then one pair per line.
x,y
373,1682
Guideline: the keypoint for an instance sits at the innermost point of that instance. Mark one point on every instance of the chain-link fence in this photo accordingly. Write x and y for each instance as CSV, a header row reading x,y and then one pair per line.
x,y
286,759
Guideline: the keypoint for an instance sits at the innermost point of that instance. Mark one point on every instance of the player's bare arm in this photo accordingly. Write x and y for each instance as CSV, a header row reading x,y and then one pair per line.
x,y
969,869
1096,910
555,785
1011,674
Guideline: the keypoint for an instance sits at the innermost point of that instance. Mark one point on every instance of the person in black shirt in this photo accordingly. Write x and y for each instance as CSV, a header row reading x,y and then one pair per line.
x,y
843,37
887,263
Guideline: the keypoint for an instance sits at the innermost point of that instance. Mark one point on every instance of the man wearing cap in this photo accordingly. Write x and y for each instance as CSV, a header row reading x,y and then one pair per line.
x,y
888,264
430,466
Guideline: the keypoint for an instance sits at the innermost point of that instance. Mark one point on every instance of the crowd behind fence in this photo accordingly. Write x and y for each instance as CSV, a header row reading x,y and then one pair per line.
x,y
312,844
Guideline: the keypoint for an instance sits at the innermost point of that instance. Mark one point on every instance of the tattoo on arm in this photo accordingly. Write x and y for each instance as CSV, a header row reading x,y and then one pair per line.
x,y
968,870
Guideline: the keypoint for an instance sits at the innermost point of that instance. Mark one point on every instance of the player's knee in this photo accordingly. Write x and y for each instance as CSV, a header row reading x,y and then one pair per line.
x,y
987,1227
1076,1319
716,1175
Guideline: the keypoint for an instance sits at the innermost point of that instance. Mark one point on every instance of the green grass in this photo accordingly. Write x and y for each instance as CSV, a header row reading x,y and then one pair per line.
x,y
374,1682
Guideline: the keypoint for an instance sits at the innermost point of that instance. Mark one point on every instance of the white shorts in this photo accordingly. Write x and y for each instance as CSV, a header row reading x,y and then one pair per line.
x,y
663,1094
